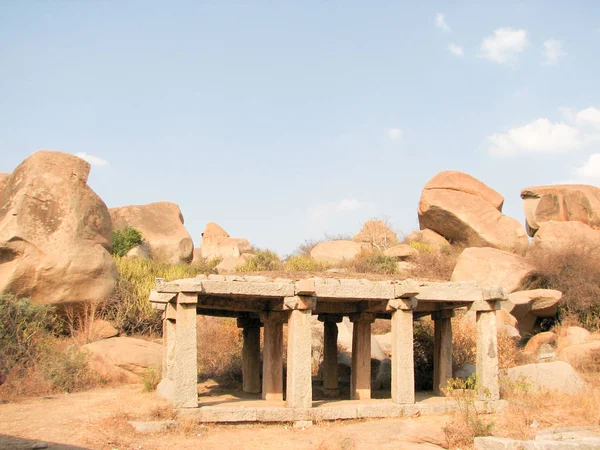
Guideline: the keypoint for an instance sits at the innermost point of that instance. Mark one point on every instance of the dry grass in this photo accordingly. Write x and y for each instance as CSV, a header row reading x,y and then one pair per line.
x,y
577,276
219,349
435,265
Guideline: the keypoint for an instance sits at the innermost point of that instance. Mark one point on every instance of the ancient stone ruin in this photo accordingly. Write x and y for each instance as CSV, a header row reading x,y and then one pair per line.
x,y
260,302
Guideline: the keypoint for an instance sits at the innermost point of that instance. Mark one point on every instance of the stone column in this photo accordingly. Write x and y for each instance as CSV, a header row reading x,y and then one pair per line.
x,y
250,354
330,354
403,365
169,338
487,355
299,357
185,389
272,382
360,381
442,349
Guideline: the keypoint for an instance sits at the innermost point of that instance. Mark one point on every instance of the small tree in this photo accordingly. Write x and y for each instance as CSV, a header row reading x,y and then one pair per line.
x,y
125,239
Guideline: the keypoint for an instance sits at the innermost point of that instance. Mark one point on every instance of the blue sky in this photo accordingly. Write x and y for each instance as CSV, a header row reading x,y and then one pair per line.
x,y
286,121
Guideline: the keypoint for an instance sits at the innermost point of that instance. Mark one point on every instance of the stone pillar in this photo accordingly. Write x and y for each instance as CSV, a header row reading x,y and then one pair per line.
x,y
299,358
403,365
360,381
169,339
185,389
330,354
272,382
250,354
442,349
487,355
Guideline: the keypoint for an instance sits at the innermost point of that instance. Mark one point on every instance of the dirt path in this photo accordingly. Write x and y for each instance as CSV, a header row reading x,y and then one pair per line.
x,y
98,420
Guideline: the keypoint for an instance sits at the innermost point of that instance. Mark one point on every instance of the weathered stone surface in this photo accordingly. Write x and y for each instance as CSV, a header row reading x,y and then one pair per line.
x,y
216,243
139,252
466,216
550,376
581,354
401,251
462,182
561,237
496,443
573,336
534,344
527,306
55,232
131,355
560,203
377,234
427,237
335,252
491,267
3,180
101,329
161,225
231,263
157,426
487,356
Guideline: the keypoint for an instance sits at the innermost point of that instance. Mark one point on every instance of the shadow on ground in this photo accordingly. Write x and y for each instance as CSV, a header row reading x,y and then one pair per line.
x,y
16,443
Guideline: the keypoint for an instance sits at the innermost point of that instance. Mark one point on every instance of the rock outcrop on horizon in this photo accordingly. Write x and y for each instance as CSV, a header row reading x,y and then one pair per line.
x,y
216,243
161,226
464,210
335,252
55,232
427,237
561,203
492,267
377,233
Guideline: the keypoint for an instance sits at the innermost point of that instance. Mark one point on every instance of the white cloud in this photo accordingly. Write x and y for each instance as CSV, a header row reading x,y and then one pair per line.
x,y
440,22
539,136
93,160
394,133
321,212
504,46
589,116
456,49
590,171
553,51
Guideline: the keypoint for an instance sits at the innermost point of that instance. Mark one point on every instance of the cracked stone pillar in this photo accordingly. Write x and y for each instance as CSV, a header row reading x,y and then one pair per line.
x,y
299,358
360,381
330,354
185,389
250,354
272,382
487,355
169,329
442,349
403,365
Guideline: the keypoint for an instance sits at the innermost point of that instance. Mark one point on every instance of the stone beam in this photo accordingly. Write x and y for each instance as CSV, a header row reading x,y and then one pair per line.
x,y
296,302
450,291
233,304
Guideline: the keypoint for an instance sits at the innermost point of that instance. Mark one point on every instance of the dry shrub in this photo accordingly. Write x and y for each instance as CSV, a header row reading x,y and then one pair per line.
x,y
219,349
371,260
527,412
304,263
577,275
435,264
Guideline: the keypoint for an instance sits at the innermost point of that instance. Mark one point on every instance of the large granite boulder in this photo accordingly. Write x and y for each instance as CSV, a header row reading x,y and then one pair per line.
x,y
3,180
492,267
161,225
216,243
335,252
464,210
555,376
562,237
123,357
561,203
376,233
528,306
55,232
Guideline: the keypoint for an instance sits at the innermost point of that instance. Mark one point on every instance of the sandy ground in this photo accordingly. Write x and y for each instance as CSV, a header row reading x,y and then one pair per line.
x,y
97,419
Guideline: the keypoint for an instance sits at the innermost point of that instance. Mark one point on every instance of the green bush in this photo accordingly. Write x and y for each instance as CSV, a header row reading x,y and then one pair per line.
x,y
24,329
263,260
128,308
304,264
125,239
67,370
150,379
